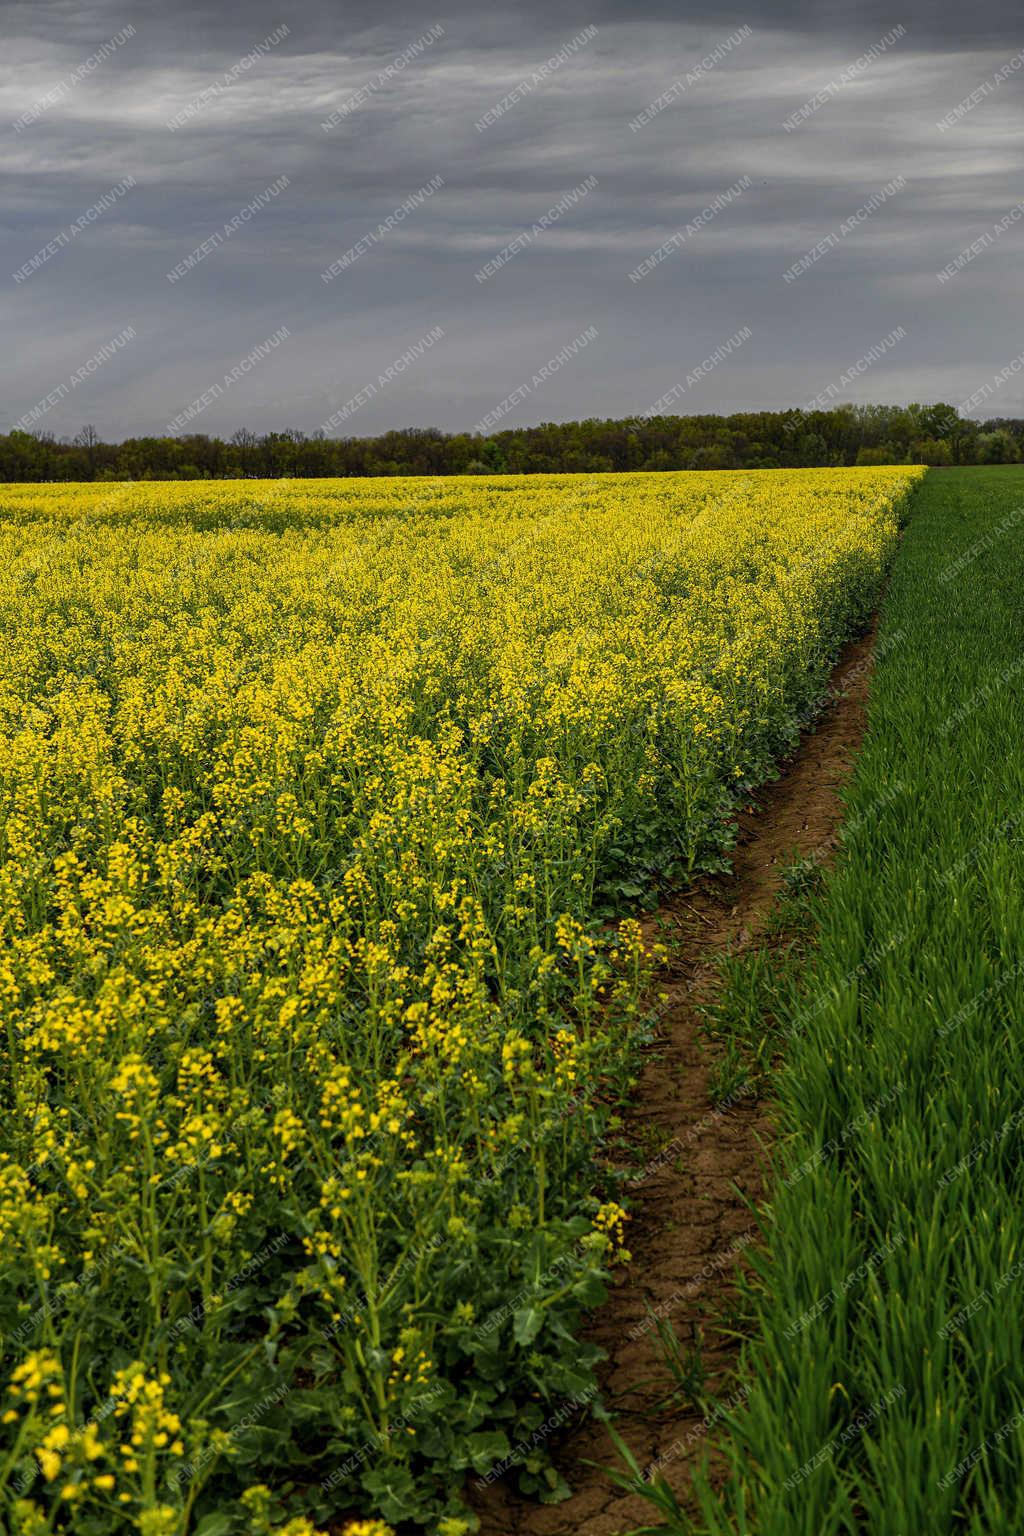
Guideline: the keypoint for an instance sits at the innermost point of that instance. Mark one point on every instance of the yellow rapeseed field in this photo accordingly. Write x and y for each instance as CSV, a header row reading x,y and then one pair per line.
x,y
321,805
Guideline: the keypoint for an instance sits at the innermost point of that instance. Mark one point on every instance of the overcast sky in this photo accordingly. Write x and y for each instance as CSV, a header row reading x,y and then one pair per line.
x,y
136,133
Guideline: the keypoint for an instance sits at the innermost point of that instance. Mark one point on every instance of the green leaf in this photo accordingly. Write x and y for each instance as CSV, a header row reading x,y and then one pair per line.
x,y
215,1524
395,1492
485,1448
590,1290
526,1324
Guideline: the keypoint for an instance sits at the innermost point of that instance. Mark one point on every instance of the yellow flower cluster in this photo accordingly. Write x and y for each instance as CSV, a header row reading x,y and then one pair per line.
x,y
315,799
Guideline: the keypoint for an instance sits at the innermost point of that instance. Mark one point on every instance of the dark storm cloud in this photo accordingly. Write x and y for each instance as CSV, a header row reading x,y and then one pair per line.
x,y
191,172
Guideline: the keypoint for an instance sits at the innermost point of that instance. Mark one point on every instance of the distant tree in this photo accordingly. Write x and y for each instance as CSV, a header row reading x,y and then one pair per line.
x,y
849,434
931,450
931,421
876,456
997,448
715,456
88,438
245,441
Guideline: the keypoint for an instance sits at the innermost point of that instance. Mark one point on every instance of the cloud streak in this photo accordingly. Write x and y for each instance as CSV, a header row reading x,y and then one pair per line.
x,y
354,118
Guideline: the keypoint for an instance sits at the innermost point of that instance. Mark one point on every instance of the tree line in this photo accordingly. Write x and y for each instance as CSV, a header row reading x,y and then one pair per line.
x,y
847,435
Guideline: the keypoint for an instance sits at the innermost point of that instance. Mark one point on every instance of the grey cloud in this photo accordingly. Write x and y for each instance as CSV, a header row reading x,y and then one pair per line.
x,y
345,184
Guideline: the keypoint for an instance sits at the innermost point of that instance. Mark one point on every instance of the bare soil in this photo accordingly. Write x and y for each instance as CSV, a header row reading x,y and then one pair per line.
x,y
700,1164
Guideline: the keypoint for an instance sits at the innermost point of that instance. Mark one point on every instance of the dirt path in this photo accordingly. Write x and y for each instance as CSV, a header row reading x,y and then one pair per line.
x,y
690,1223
